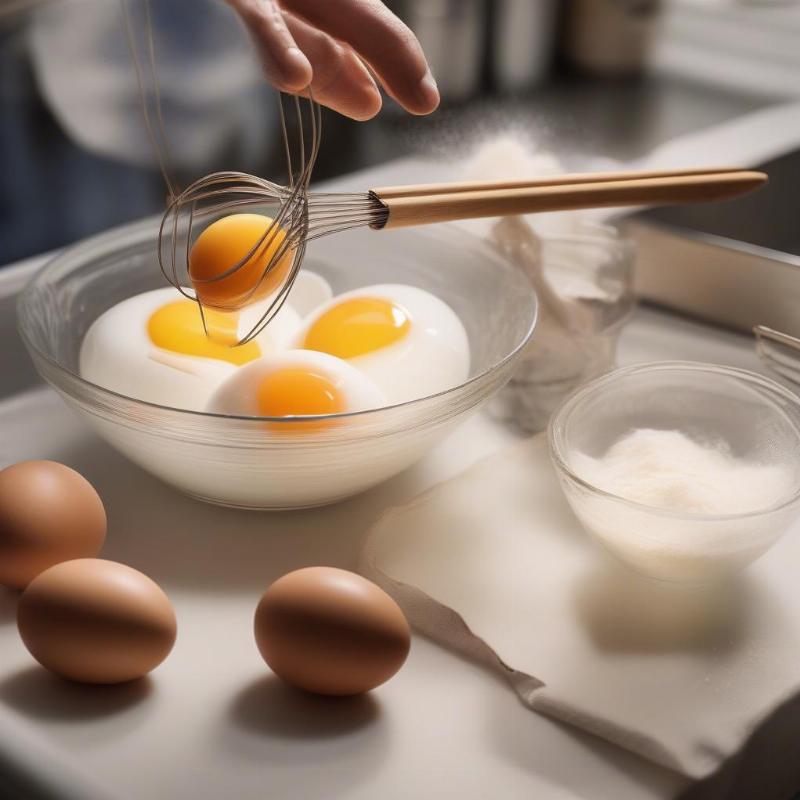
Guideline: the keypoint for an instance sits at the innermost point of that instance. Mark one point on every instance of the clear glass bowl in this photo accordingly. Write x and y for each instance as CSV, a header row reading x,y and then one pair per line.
x,y
758,419
241,461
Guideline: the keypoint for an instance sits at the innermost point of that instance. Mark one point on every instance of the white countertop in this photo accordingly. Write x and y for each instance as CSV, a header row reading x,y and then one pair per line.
x,y
211,722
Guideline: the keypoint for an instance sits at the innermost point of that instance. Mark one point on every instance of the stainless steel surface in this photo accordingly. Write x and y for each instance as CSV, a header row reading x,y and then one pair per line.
x,y
779,351
719,280
736,264
623,120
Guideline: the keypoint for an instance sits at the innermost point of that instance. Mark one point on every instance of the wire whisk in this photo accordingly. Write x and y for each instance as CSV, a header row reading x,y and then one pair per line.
x,y
308,216
298,215
221,193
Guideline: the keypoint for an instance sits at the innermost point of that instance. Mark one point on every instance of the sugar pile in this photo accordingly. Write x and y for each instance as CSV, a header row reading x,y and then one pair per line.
x,y
667,469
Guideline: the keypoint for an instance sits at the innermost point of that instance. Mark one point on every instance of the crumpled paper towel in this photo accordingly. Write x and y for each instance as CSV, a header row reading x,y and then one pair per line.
x,y
494,564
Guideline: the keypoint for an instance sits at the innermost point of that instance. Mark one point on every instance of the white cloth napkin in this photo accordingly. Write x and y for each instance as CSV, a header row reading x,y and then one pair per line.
x,y
494,564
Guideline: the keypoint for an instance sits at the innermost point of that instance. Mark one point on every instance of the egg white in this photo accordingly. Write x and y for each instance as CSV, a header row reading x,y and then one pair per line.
x,y
117,354
432,357
238,394
309,291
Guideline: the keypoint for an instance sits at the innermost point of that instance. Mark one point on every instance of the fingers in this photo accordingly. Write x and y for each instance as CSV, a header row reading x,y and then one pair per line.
x,y
290,43
341,81
284,63
382,40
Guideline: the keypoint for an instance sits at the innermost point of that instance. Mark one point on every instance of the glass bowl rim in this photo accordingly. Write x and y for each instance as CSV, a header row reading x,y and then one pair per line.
x,y
135,228
561,416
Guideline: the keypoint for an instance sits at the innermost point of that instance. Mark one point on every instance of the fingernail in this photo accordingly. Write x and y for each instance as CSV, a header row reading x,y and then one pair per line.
x,y
428,92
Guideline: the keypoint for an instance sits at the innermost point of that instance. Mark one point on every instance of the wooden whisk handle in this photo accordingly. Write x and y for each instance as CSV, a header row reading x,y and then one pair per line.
x,y
454,203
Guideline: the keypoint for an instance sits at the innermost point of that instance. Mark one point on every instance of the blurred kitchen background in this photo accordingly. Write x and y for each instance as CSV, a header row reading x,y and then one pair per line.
x,y
608,78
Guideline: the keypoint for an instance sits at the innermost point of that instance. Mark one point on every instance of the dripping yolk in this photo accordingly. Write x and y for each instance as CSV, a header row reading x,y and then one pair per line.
x,y
227,242
178,327
294,392
357,326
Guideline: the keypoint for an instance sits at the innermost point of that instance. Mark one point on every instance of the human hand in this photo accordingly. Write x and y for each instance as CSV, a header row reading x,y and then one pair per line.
x,y
328,45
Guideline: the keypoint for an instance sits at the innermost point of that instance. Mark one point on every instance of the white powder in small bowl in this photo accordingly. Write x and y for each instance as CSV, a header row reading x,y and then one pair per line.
x,y
666,469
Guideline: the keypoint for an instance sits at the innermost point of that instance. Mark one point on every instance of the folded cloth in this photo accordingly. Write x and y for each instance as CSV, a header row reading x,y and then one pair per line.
x,y
494,564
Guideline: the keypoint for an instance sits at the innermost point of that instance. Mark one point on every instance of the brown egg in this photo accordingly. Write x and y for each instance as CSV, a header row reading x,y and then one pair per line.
x,y
331,631
48,514
96,621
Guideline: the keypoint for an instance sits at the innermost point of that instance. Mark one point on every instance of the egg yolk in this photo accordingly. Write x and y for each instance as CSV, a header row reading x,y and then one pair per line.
x,y
227,242
357,326
178,327
297,391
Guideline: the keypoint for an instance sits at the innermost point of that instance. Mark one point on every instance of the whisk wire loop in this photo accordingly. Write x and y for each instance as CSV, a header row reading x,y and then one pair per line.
x,y
218,194
298,214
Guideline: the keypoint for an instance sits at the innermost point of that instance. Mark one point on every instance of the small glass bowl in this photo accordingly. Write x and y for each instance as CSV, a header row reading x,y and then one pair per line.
x,y
249,462
757,418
